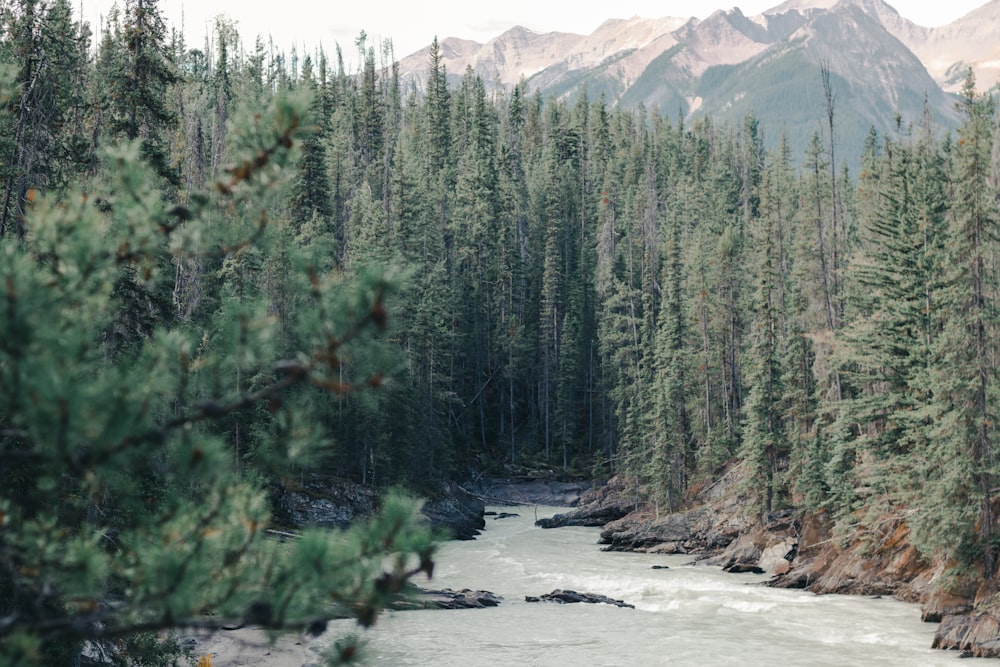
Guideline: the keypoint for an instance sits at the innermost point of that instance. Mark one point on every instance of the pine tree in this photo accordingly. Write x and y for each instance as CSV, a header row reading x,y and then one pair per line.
x,y
898,294
226,40
817,253
437,132
44,143
765,435
963,376
618,285
424,320
370,120
674,458
139,74
779,199
124,511
512,335
473,232
311,202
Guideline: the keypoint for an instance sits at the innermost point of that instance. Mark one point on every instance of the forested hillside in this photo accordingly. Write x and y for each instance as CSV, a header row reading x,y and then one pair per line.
x,y
513,281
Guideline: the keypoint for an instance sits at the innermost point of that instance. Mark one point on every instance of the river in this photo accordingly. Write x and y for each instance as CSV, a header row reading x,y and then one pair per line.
x,y
684,615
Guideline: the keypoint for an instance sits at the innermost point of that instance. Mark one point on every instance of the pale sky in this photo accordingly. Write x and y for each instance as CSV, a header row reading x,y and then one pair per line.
x,y
412,24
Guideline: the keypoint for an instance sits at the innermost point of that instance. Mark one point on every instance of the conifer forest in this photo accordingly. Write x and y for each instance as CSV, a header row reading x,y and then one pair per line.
x,y
223,265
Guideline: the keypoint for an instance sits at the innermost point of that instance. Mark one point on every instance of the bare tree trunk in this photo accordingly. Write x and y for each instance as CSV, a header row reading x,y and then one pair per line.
x,y
834,213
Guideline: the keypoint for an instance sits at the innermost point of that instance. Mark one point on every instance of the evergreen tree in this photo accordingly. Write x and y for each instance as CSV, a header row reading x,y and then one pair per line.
x,y
140,72
817,253
370,120
226,40
779,200
618,283
898,295
473,231
765,442
963,376
124,511
44,142
512,321
674,459
437,132
311,202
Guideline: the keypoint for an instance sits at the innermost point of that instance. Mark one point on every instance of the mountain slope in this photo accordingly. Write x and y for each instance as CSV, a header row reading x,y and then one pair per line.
x,y
949,51
946,51
873,76
729,65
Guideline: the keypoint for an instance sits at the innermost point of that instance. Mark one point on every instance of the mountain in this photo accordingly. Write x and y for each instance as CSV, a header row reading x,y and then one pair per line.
x,y
883,67
948,51
873,76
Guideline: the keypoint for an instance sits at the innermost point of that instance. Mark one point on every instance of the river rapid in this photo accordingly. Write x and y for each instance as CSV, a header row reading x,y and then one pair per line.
x,y
685,615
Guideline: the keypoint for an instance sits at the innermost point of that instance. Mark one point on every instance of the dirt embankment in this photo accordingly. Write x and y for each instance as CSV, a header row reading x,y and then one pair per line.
x,y
800,551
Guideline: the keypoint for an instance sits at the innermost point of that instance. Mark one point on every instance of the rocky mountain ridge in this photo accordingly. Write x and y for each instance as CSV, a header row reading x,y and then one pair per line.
x,y
725,37
884,68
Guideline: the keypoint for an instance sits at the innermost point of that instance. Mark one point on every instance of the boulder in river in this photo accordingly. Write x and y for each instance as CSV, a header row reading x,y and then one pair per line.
x,y
740,568
697,530
777,558
759,550
447,598
567,597
943,603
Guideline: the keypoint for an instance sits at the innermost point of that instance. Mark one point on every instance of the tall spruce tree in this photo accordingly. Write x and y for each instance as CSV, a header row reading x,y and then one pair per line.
x,y
765,435
963,375
674,457
898,294
137,81
311,202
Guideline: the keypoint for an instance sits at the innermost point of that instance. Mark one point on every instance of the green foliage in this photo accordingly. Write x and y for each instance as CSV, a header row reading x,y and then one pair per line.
x,y
963,377
562,283
42,140
139,73
123,505
764,442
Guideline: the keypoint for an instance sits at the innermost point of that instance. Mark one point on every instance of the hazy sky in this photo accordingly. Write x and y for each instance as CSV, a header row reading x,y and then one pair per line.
x,y
412,24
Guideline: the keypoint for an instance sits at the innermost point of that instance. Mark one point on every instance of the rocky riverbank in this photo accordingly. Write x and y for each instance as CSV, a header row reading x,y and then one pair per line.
x,y
321,501
456,510
800,551
524,489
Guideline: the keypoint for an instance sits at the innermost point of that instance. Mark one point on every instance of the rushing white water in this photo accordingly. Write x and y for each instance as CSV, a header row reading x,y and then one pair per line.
x,y
684,615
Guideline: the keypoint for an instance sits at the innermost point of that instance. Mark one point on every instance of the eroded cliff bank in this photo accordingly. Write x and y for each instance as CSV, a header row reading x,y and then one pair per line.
x,y
455,509
800,551
322,501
